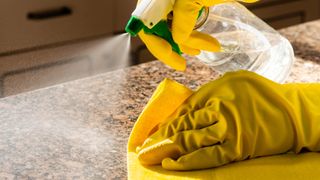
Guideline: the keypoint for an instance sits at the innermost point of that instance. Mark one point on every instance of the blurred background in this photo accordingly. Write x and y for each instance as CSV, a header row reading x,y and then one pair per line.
x,y
46,42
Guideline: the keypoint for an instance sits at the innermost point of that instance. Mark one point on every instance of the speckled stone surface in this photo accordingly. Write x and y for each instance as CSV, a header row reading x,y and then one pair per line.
x,y
305,39
79,130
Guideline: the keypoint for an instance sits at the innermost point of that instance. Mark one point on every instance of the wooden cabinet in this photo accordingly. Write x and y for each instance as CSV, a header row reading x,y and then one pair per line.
x,y
283,13
33,23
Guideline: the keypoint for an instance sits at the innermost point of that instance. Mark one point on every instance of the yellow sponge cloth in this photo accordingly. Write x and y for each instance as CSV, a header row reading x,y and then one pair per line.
x,y
169,96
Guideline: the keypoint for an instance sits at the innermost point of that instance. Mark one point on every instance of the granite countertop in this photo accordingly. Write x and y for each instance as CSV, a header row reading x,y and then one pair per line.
x,y
79,130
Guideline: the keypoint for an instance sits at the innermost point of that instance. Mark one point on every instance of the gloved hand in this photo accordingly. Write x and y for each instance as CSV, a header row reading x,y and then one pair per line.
x,y
190,42
239,116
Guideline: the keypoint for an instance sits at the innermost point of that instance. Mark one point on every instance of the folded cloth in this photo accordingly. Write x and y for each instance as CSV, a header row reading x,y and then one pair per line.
x,y
166,99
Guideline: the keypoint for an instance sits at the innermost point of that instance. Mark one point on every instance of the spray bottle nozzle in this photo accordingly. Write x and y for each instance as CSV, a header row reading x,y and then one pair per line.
x,y
134,26
148,16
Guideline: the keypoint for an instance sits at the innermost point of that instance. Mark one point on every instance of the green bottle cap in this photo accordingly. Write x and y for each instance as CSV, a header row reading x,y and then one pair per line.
x,y
134,26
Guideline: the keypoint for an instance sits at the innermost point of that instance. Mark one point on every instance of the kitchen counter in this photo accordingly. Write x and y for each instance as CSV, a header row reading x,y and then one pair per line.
x,y
79,129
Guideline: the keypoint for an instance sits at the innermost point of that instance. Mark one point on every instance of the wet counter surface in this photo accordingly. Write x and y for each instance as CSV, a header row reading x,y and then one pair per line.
x,y
79,130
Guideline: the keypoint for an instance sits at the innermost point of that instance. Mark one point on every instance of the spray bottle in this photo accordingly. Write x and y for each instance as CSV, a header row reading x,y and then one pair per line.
x,y
247,42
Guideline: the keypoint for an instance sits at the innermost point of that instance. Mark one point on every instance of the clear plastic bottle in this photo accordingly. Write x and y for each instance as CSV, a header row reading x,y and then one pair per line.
x,y
247,43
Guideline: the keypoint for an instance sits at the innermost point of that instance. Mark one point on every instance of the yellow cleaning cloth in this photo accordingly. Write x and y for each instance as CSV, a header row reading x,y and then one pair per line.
x,y
169,96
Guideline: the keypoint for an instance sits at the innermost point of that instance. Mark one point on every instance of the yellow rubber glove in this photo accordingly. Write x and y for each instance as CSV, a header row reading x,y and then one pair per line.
x,y
239,116
190,42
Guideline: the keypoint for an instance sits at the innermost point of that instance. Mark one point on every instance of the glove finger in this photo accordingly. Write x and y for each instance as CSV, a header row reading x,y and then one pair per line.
x,y
185,14
189,51
195,120
183,143
191,140
183,123
202,41
153,155
162,50
190,121
207,157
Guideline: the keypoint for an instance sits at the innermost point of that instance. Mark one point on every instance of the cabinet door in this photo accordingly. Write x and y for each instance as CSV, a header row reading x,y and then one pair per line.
x,y
283,13
33,23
